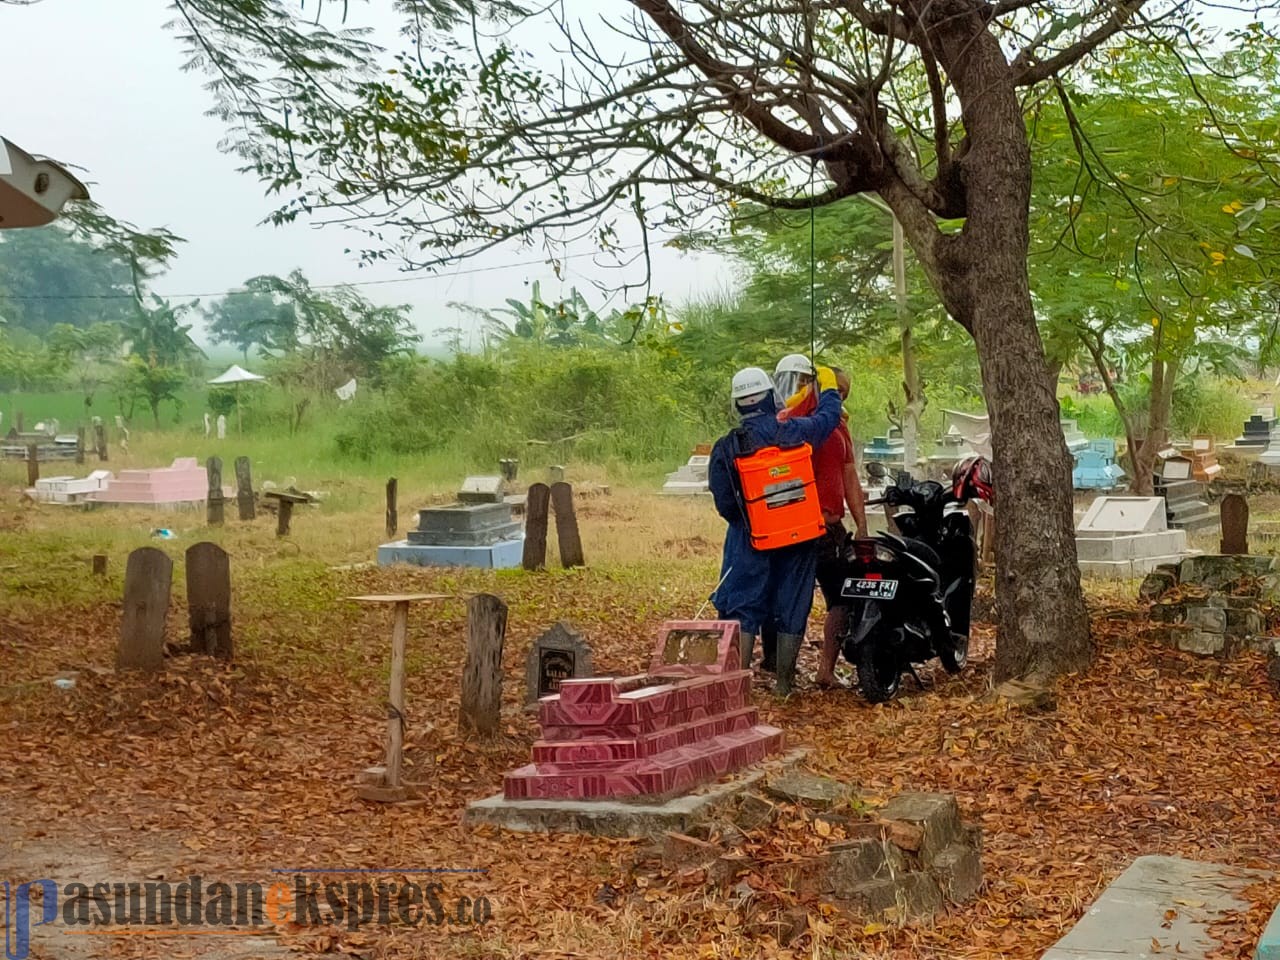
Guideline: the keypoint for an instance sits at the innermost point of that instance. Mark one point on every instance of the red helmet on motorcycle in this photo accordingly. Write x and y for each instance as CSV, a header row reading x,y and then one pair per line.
x,y
971,479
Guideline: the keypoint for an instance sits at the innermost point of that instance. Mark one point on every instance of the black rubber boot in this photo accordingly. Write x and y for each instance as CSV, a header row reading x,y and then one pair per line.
x,y
769,644
788,653
746,648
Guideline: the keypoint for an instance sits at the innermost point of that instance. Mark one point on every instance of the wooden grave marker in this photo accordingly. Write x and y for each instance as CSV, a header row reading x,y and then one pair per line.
x,y
147,579
480,710
536,511
286,501
385,784
33,464
79,444
244,489
209,600
214,508
567,534
393,517
1235,525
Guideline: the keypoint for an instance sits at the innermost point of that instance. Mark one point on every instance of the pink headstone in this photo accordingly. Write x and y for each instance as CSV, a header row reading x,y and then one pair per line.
x,y
687,722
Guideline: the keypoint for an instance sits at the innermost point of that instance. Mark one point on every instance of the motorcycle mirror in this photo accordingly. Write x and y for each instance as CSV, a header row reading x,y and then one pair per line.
x,y
876,470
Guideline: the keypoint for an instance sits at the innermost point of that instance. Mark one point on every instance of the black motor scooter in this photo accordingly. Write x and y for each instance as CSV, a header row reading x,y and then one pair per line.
x,y
909,596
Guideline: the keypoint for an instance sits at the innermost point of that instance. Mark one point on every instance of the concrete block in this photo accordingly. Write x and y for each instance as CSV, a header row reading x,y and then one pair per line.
x,y
912,895
482,490
503,555
856,862
958,870
1168,612
1216,571
1245,623
1208,619
821,793
1201,642
1143,913
936,812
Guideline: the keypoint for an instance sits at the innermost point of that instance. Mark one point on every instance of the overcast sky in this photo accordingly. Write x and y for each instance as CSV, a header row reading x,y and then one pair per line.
x,y
98,85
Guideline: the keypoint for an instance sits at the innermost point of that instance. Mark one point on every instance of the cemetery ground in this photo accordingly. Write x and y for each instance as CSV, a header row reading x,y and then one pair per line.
x,y
232,771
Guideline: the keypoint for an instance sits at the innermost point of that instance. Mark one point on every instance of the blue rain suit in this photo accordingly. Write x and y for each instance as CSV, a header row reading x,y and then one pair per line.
x,y
763,585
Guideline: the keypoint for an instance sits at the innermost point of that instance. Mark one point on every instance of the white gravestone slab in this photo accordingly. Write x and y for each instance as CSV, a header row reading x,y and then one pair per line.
x,y
1124,515
222,427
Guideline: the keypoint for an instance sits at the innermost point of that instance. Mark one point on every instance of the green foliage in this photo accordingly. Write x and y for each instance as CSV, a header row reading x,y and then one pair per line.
x,y
570,322
251,317
221,400
87,355
158,336
1202,405
849,250
596,404
87,268
149,382
1153,214
323,337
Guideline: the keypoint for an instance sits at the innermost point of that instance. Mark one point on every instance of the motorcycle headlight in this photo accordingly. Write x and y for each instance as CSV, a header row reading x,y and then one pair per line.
x,y
884,554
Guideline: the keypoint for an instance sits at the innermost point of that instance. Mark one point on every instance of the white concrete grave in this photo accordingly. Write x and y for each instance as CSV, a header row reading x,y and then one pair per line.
x,y
690,479
70,489
1120,515
1127,537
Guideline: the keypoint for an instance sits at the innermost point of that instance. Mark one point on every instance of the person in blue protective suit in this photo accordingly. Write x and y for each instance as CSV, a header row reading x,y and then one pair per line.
x,y
761,585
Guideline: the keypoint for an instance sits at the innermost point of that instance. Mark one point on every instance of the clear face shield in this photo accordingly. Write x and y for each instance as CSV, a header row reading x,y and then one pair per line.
x,y
788,383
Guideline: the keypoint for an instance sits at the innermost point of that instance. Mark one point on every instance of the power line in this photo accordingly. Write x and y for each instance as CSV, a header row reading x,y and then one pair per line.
x,y
315,286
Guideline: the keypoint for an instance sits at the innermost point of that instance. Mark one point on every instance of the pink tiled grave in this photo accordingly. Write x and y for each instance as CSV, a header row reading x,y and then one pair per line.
x,y
686,721
182,482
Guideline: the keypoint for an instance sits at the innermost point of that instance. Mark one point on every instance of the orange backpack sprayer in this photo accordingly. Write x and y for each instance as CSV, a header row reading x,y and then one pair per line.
x,y
780,496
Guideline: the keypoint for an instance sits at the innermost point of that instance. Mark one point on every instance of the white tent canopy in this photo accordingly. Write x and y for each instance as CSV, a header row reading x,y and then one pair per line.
x,y
236,374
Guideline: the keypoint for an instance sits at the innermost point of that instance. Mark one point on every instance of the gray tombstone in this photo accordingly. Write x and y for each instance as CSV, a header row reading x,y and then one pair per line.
x,y
567,533
482,490
537,510
209,599
1235,525
147,579
214,506
222,427
559,654
244,489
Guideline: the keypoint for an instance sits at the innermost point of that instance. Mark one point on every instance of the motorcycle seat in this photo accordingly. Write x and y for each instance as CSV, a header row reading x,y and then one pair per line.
x,y
919,548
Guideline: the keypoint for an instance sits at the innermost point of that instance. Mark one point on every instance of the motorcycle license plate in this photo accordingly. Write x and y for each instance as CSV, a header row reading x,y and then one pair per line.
x,y
869,589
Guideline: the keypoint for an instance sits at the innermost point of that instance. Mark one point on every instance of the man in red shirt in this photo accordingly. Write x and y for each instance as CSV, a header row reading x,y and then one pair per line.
x,y
836,472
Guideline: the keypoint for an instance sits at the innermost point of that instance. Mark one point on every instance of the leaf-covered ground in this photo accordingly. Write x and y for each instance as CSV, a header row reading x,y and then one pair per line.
x,y
233,771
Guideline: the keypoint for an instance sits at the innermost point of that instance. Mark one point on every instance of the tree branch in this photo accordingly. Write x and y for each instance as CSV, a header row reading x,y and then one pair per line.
x,y
1027,72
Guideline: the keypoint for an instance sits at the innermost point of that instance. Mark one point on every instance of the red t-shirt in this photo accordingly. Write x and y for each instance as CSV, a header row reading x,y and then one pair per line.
x,y
829,461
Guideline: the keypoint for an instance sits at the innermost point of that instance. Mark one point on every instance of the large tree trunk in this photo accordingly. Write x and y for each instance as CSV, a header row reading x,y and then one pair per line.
x,y
1140,452
912,388
982,277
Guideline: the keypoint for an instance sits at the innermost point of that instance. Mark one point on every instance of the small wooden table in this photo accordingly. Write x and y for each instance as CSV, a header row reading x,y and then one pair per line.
x,y
387,788
285,499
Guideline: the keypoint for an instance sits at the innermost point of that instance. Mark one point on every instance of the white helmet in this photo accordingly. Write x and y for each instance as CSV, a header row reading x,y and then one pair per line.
x,y
788,372
750,386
